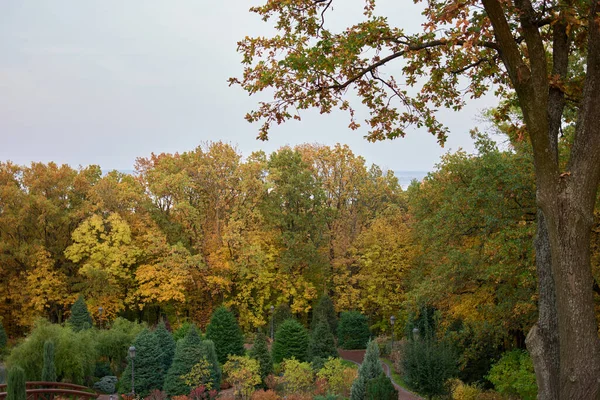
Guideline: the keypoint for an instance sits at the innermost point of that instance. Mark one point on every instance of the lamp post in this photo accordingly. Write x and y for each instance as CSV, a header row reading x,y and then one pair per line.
x,y
415,333
272,313
100,310
392,321
132,357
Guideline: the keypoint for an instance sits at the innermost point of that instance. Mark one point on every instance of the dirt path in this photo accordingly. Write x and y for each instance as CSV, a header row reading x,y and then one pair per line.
x,y
356,356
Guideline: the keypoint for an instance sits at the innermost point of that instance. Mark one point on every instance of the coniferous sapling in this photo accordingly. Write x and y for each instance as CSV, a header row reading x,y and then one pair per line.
x,y
16,384
210,354
322,342
188,352
291,340
369,369
49,367
260,352
226,334
80,316
167,345
147,365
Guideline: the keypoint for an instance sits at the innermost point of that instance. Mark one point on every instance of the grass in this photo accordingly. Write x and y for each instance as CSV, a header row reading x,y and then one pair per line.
x,y
395,376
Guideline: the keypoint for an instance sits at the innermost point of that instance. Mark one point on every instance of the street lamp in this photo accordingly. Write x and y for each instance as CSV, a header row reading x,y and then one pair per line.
x,y
415,333
100,310
272,313
392,321
132,357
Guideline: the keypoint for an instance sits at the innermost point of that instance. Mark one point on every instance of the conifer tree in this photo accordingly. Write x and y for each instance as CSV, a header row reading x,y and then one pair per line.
x,y
80,316
167,345
3,337
322,342
369,369
188,352
324,310
210,354
225,332
260,352
49,367
147,366
16,384
353,330
291,340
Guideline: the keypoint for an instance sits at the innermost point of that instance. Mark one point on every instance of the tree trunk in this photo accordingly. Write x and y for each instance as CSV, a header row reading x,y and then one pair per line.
x,y
542,340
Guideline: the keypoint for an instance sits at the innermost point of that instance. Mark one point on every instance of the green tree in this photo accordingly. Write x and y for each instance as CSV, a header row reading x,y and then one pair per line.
x,y
322,342
210,354
539,54
166,344
369,369
187,353
244,375
49,368
353,330
291,340
225,333
324,310
513,375
381,388
260,352
147,366
80,316
3,337
16,384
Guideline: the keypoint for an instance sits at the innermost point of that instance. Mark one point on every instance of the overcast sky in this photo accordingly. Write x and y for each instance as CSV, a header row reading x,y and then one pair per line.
x,y
106,81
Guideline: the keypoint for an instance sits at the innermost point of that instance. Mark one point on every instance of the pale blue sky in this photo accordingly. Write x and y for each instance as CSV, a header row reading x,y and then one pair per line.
x,y
106,81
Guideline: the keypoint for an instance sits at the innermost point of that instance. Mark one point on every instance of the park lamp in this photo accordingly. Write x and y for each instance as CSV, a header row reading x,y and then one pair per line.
x,y
392,320
415,332
132,352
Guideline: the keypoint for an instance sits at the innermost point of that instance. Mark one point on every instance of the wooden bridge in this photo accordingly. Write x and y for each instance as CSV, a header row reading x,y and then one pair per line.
x,y
50,390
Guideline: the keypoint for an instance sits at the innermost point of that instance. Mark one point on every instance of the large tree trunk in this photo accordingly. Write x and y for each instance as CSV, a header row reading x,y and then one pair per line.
x,y
542,340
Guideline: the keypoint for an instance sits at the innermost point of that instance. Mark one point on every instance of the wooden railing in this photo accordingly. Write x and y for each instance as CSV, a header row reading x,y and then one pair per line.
x,y
50,390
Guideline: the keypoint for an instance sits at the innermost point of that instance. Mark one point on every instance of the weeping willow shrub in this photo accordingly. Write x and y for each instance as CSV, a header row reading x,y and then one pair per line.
x,y
112,344
75,352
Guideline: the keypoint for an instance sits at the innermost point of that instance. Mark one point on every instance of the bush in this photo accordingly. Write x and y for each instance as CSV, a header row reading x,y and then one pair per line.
x,y
225,332
156,395
462,391
260,352
80,316
74,357
369,369
353,331
166,344
243,373
148,366
107,384
202,393
325,311
187,353
16,384
381,388
427,364
49,368
339,377
297,376
513,375
291,340
322,342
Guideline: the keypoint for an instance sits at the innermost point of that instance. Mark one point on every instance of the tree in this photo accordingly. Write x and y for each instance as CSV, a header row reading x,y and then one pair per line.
x,y
369,369
187,353
381,388
166,344
80,316
353,330
243,373
210,355
16,389
260,352
324,310
49,368
225,333
147,366
543,55
291,340
3,337
322,342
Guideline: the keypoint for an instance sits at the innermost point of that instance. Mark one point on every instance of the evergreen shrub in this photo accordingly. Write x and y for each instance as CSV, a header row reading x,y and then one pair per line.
x,y
106,384
381,388
353,330
260,352
15,389
291,340
369,369
148,366
322,342
80,318
166,344
49,368
325,311
226,334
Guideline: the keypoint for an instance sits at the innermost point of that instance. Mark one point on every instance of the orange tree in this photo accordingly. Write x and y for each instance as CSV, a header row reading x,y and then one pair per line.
x,y
527,49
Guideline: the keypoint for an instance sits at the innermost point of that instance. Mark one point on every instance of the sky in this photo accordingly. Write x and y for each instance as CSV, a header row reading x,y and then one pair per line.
x,y
107,81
